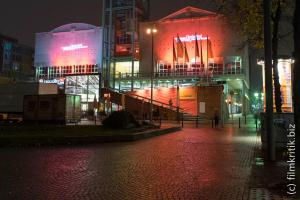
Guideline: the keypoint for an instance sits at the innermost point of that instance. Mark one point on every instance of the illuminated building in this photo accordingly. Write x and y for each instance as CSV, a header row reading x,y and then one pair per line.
x,y
191,47
123,17
71,56
285,68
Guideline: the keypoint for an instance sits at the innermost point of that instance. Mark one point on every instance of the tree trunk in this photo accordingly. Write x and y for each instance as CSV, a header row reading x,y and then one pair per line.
x,y
276,19
296,81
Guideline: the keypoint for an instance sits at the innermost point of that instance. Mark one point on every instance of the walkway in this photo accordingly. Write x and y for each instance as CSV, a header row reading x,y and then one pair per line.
x,y
202,163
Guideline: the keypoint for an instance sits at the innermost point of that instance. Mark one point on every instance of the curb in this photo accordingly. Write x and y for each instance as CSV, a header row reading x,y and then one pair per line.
x,y
23,141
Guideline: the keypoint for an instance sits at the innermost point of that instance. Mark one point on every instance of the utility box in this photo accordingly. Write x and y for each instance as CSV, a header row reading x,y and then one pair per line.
x,y
56,108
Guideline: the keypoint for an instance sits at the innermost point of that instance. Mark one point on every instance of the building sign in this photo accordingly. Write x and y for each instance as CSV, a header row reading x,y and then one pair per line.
x,y
58,81
190,38
73,47
187,93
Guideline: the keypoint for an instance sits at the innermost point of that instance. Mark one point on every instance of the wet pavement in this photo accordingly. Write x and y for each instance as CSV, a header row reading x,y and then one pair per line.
x,y
201,163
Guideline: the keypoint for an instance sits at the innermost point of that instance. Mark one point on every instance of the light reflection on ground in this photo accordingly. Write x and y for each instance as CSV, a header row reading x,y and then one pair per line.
x,y
199,163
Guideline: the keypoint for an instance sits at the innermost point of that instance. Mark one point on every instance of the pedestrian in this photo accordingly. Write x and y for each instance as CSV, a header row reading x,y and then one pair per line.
x,y
170,103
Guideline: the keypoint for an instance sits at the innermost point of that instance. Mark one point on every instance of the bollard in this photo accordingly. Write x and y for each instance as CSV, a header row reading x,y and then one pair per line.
x,y
239,122
212,123
182,120
197,122
245,119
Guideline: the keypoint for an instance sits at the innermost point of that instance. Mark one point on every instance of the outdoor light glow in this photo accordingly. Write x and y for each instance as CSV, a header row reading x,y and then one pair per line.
x,y
153,30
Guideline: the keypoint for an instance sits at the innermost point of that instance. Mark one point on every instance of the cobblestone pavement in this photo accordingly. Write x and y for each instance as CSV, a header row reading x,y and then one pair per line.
x,y
201,163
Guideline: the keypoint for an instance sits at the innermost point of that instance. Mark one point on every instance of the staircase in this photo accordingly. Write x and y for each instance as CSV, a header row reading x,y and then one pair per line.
x,y
189,117
140,106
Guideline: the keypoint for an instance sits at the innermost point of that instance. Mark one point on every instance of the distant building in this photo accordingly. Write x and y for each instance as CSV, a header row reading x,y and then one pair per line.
x,y
16,60
285,68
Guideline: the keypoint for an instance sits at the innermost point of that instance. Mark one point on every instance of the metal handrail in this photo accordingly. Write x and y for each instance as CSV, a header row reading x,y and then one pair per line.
x,y
175,73
158,103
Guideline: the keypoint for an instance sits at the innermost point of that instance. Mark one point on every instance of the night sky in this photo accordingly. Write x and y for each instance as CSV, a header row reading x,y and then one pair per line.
x,y
22,19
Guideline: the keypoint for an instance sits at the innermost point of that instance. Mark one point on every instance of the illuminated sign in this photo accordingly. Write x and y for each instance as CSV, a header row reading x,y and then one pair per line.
x,y
59,81
189,38
73,47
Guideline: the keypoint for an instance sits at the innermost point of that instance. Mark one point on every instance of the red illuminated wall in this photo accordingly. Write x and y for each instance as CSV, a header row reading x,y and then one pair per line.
x,y
224,41
164,94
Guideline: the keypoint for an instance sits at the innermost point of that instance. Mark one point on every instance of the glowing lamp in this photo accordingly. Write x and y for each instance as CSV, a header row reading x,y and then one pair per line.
x,y
151,30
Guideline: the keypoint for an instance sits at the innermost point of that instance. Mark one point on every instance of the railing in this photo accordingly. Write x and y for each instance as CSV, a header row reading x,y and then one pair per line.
x,y
174,73
62,71
145,99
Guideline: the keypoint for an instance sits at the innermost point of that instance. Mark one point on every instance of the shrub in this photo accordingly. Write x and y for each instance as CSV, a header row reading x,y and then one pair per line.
x,y
119,120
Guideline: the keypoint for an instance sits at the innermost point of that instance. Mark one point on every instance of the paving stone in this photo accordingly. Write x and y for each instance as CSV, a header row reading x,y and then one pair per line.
x,y
203,163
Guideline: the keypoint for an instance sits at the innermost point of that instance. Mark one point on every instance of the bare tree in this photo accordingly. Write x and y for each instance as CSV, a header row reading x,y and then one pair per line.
x,y
247,18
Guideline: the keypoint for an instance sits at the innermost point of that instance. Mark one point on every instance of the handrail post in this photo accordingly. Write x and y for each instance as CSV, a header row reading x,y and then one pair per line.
x,y
160,121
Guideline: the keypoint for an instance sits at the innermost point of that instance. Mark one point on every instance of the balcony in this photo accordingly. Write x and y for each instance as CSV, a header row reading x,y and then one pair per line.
x,y
196,73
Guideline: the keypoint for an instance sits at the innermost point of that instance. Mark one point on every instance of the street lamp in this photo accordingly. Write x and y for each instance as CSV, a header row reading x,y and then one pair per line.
x,y
151,31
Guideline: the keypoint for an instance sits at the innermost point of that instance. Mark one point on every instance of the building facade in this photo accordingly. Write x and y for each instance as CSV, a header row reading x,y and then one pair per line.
x,y
285,68
191,47
122,19
71,56
16,60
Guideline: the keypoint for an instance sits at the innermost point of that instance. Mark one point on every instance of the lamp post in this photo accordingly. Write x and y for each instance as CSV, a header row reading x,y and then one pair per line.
x,y
151,31
268,80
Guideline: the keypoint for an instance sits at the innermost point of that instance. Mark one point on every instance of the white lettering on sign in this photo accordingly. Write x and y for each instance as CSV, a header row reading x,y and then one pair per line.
x,y
189,38
73,47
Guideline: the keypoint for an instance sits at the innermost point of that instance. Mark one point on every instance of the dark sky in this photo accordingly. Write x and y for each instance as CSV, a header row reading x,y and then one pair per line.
x,y
23,18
